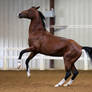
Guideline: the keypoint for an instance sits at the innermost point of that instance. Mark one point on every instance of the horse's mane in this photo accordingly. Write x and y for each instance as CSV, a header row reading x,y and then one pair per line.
x,y
42,19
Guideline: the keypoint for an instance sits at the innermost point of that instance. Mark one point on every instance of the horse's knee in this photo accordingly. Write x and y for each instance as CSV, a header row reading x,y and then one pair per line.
x,y
21,53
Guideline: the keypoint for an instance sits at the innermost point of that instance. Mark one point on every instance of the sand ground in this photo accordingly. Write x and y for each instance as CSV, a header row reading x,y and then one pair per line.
x,y
43,81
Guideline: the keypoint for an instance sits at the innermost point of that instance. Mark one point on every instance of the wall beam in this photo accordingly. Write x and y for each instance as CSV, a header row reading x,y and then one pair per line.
x,y
52,22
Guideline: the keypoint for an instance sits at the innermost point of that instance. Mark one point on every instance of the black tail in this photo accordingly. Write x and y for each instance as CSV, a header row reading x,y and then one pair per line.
x,y
89,51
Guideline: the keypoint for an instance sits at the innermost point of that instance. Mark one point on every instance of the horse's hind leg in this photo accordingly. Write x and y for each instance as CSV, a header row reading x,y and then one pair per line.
x,y
67,75
69,59
75,73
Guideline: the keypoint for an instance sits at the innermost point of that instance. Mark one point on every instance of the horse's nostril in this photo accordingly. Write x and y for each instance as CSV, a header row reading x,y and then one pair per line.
x,y
20,15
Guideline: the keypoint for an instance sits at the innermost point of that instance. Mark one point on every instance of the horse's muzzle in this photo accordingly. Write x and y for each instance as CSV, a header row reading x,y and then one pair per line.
x,y
20,15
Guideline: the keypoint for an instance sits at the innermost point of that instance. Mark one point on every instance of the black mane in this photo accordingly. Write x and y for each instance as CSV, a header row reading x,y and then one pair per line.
x,y
42,19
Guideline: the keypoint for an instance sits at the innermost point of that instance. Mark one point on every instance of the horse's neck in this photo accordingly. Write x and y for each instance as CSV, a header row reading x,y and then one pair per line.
x,y
35,25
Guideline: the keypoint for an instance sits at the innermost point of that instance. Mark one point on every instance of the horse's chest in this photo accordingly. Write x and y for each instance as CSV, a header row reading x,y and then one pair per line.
x,y
34,43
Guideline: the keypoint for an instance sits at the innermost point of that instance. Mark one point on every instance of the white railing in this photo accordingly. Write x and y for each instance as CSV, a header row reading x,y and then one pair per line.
x,y
6,56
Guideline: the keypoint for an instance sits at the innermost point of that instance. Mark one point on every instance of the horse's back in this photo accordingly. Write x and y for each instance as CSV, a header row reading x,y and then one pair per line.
x,y
53,45
58,46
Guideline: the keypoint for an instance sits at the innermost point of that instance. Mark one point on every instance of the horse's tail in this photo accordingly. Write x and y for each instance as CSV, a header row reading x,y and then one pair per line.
x,y
89,51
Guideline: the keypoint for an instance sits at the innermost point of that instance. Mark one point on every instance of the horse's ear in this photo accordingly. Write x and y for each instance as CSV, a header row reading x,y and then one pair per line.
x,y
38,7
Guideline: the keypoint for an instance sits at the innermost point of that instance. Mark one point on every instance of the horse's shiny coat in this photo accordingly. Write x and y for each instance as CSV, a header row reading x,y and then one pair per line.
x,y
41,41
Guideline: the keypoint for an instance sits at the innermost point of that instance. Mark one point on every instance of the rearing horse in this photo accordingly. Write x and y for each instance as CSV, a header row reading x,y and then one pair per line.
x,y
41,41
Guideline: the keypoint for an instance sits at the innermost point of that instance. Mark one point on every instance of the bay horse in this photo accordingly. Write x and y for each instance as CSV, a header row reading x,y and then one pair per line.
x,y
42,41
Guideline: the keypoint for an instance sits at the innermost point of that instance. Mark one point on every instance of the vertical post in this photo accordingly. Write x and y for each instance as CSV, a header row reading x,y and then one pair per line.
x,y
52,19
52,22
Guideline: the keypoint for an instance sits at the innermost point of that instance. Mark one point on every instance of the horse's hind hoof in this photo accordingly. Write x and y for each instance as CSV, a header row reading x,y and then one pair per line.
x,y
66,85
57,85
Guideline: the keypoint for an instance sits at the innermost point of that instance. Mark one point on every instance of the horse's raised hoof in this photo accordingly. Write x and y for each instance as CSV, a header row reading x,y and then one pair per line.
x,y
28,74
18,67
19,64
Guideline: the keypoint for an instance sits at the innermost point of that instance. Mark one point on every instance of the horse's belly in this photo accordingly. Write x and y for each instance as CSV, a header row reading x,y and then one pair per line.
x,y
53,52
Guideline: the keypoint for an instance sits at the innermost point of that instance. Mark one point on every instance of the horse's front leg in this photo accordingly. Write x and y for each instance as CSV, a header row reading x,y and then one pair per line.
x,y
21,54
27,62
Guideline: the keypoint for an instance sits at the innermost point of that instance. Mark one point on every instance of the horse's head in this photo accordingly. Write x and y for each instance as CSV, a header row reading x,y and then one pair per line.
x,y
33,13
29,13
